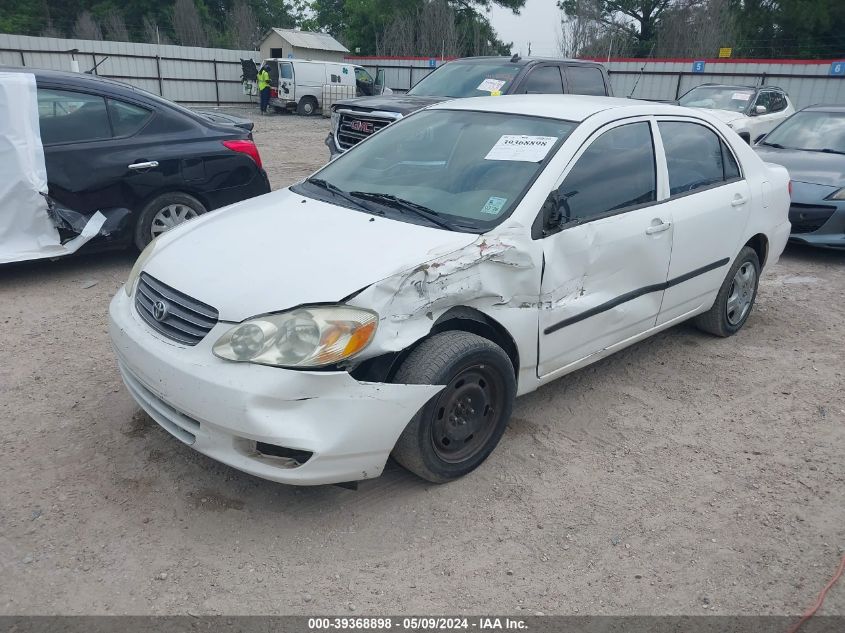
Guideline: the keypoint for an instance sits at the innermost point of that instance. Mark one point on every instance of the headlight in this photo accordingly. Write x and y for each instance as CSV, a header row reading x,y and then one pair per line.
x,y
335,119
129,286
837,195
305,337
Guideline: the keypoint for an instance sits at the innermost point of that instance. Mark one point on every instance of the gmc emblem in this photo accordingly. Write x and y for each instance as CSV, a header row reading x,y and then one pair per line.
x,y
362,126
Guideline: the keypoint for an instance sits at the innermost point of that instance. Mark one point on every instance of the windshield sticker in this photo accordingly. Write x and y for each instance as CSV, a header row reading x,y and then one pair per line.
x,y
493,205
740,96
529,149
495,93
491,85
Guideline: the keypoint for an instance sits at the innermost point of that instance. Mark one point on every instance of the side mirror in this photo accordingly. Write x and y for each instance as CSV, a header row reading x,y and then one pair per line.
x,y
554,214
760,109
379,86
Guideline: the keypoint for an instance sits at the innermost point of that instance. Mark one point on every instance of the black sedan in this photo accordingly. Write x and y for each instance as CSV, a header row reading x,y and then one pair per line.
x,y
111,147
811,145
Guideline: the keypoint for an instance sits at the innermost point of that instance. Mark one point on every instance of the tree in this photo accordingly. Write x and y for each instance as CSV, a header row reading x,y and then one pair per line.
x,y
86,27
114,26
638,19
245,31
187,24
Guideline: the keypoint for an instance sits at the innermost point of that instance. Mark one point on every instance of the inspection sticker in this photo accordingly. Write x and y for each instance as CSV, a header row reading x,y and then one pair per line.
x,y
491,85
740,96
529,149
493,205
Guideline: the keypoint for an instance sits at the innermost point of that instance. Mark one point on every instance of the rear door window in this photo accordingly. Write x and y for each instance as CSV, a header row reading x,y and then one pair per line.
x,y
126,118
585,80
287,70
71,117
695,156
545,80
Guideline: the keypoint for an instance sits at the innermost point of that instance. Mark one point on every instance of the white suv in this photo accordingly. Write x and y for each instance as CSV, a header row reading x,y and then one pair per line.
x,y
750,112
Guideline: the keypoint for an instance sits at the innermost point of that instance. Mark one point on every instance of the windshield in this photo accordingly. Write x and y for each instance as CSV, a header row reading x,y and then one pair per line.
x,y
810,130
461,79
718,98
463,169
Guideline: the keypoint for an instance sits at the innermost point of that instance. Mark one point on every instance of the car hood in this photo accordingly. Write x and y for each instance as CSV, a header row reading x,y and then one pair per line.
x,y
727,116
404,104
813,167
281,250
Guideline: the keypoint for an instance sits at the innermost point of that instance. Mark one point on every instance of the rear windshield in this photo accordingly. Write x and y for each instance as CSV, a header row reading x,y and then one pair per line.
x,y
463,79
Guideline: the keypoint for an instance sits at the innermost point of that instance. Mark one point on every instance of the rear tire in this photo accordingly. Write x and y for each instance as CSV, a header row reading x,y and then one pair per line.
x,y
307,106
164,212
736,297
457,429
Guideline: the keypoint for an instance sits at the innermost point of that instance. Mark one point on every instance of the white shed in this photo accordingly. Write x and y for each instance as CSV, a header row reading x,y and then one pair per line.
x,y
302,45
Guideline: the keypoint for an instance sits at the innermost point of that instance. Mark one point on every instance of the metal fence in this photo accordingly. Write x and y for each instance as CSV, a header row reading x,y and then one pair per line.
x,y
806,81
195,75
186,74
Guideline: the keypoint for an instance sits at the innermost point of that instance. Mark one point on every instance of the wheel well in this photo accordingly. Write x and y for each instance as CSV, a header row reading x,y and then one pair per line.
x,y
760,244
383,368
184,190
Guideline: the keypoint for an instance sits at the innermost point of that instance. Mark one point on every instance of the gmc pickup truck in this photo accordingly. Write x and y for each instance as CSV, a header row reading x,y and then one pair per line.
x,y
353,120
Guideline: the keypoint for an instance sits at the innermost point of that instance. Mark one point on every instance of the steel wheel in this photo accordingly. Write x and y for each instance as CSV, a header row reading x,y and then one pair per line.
x,y
741,293
467,413
170,216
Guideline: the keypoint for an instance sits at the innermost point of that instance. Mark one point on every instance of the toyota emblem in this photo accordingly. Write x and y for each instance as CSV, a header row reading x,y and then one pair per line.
x,y
160,311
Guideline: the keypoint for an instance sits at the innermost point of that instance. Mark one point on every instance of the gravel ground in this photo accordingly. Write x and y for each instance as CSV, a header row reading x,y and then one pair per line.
x,y
684,475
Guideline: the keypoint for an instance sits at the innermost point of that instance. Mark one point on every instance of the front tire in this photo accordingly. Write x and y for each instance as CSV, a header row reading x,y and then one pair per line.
x,y
163,213
736,297
457,429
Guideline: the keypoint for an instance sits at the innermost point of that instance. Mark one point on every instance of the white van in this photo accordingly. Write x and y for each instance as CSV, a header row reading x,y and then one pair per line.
x,y
299,84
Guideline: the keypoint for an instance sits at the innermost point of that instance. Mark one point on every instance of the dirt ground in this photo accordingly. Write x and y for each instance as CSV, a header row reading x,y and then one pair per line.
x,y
684,475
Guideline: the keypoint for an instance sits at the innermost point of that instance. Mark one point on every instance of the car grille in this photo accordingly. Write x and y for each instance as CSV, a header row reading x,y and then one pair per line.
x,y
172,313
354,128
806,218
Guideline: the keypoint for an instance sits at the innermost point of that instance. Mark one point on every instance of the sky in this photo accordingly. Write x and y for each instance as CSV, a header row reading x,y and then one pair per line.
x,y
537,22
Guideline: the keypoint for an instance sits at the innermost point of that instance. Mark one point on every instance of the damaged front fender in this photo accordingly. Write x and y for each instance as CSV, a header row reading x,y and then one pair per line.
x,y
497,275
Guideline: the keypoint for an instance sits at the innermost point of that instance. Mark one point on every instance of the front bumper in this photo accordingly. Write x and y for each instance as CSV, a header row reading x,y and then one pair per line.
x,y
334,150
222,409
818,224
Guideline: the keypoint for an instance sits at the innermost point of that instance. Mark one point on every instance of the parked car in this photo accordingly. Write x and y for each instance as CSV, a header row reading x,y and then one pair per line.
x,y
811,145
749,111
465,255
297,84
110,147
355,119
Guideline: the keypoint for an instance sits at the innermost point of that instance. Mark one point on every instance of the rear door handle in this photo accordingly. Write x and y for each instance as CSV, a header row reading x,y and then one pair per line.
x,y
146,165
658,228
738,200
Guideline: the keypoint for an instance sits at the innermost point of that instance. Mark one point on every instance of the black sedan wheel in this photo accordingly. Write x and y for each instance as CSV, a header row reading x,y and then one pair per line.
x,y
456,430
163,213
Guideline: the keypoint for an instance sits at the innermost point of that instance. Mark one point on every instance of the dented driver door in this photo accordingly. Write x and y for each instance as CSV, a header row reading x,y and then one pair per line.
x,y
607,250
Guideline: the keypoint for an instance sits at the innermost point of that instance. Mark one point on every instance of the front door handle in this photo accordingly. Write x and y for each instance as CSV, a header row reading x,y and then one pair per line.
x,y
150,164
658,228
738,200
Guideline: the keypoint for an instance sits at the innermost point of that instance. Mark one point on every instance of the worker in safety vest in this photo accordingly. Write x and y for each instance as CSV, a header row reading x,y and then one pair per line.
x,y
264,88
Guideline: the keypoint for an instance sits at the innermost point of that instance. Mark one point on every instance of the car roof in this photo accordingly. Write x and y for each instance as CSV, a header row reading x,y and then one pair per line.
x,y
80,79
523,61
563,107
823,107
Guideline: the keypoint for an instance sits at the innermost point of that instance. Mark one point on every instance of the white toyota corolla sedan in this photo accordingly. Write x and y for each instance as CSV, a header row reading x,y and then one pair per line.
x,y
396,302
